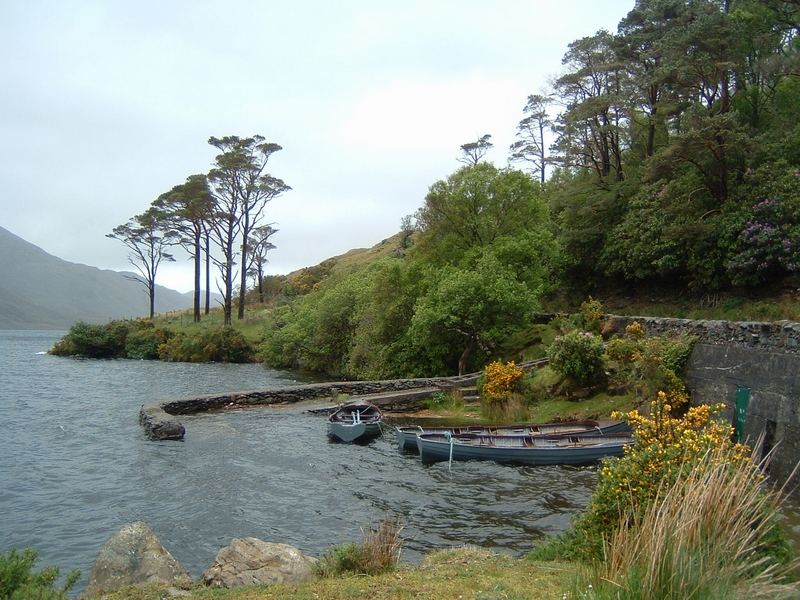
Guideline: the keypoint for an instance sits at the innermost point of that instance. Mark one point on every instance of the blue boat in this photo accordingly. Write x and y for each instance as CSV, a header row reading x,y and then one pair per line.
x,y
407,435
577,449
355,421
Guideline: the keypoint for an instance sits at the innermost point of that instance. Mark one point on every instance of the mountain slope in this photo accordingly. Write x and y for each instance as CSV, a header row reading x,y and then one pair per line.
x,y
41,291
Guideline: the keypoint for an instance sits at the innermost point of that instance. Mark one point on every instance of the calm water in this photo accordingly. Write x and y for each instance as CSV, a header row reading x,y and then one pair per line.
x,y
75,467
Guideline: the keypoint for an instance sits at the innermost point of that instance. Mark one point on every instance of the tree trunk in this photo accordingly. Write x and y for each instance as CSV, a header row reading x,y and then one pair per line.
x,y
208,272
261,284
462,361
243,278
197,259
151,285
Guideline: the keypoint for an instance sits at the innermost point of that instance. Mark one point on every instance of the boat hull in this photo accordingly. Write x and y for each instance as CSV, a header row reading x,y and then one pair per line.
x,y
550,450
350,432
355,421
407,436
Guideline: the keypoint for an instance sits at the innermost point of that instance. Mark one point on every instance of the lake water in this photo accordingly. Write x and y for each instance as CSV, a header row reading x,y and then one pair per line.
x,y
75,467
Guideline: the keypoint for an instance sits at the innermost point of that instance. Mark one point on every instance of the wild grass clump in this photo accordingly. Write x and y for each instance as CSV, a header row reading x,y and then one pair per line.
x,y
452,401
379,551
18,580
704,536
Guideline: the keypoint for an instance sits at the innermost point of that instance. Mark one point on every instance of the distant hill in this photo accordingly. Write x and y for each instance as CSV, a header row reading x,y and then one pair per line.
x,y
41,291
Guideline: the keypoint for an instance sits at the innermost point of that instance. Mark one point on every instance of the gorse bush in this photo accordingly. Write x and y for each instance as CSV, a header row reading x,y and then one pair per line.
x,y
500,380
578,355
590,315
18,580
665,446
500,388
702,536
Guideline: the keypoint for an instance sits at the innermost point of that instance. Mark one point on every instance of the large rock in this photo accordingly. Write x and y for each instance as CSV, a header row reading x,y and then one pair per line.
x,y
134,556
250,561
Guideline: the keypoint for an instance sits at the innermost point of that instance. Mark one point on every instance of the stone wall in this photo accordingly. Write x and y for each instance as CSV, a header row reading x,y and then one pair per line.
x,y
780,336
714,373
158,422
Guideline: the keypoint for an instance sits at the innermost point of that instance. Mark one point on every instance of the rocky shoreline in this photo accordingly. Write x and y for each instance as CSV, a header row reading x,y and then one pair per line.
x,y
134,556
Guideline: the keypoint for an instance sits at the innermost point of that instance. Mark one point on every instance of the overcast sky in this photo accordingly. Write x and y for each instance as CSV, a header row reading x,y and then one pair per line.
x,y
105,105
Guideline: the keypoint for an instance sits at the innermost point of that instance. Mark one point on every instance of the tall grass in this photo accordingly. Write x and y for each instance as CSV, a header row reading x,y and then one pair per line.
x,y
705,537
512,409
382,544
378,551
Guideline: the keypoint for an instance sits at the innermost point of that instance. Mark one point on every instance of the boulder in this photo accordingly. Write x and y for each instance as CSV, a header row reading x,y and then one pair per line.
x,y
250,561
134,556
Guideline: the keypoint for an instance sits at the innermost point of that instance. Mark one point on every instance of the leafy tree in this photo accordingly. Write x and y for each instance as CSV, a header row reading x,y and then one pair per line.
x,y
590,131
530,145
260,245
473,152
475,206
188,208
477,307
147,238
241,188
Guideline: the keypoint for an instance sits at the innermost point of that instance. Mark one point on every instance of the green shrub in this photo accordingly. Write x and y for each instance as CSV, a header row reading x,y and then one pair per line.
x,y
341,559
144,343
220,344
578,355
647,365
590,316
94,341
18,581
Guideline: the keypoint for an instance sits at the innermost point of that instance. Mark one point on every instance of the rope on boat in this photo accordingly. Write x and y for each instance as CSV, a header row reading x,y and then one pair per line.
x,y
449,437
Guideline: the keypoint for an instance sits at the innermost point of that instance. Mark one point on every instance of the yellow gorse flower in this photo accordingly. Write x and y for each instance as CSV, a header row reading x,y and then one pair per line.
x,y
501,379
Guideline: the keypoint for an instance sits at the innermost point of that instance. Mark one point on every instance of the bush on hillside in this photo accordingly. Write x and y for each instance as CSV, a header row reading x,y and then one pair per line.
x,y
645,365
220,344
578,356
144,343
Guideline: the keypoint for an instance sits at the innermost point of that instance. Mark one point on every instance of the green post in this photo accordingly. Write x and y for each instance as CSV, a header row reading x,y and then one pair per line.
x,y
740,413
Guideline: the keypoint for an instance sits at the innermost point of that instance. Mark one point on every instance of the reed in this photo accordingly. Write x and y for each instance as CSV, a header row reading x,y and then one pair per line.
x,y
705,536
382,544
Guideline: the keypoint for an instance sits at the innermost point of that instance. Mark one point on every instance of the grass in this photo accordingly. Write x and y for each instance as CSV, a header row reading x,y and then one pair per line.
x,y
459,574
379,551
251,327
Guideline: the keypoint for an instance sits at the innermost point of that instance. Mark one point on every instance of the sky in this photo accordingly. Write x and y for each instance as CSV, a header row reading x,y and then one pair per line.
x,y
106,104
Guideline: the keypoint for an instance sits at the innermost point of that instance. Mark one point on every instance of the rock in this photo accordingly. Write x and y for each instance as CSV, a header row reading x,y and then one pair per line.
x,y
134,556
250,561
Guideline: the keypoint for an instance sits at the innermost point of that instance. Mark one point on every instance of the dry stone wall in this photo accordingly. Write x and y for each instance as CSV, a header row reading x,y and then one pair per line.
x,y
159,423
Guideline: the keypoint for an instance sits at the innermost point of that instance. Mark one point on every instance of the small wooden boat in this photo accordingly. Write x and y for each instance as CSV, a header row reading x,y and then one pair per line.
x,y
355,421
407,435
577,449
